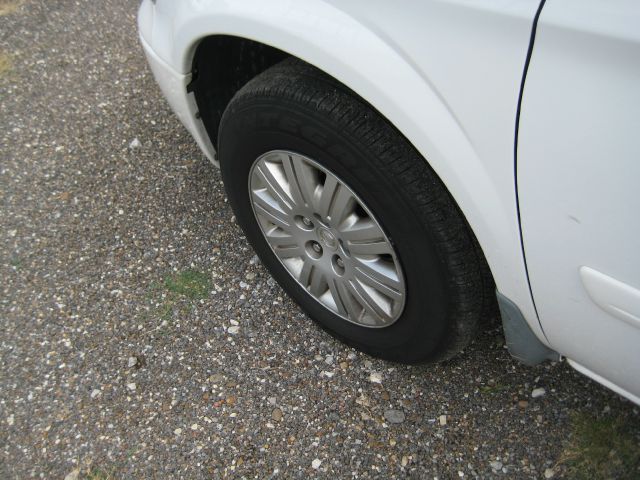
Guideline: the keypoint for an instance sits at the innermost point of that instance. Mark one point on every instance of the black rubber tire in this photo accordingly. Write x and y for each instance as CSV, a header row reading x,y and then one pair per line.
x,y
293,106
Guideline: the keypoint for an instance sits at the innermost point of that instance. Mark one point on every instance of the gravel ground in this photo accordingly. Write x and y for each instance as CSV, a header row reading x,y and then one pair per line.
x,y
141,338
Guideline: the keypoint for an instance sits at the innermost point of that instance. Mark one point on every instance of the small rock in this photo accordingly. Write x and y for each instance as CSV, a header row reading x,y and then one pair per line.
x,y
549,473
216,378
344,365
254,260
132,362
351,356
365,416
328,359
363,400
10,420
538,392
394,416
177,431
316,464
276,414
496,465
131,386
194,426
405,460
443,420
460,473
233,330
95,393
135,143
250,276
72,475
235,323
272,400
385,396
523,404
375,377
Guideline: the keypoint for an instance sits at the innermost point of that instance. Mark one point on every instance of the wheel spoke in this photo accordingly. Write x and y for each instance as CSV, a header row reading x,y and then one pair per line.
x,y
270,212
302,181
380,271
288,251
343,205
337,296
305,273
318,283
380,247
349,303
329,190
368,303
336,201
274,186
383,288
361,231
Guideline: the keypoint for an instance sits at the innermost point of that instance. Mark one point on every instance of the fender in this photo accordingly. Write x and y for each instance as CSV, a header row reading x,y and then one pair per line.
x,y
457,113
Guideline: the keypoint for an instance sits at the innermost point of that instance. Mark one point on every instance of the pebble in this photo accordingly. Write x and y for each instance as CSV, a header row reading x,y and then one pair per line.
x,y
549,473
177,431
443,419
276,414
538,392
10,420
316,464
132,362
328,359
272,400
131,386
375,377
496,465
72,475
523,404
194,426
233,330
394,416
95,393
135,143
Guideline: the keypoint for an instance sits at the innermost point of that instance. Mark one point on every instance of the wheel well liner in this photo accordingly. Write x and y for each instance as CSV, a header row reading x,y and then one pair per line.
x,y
222,65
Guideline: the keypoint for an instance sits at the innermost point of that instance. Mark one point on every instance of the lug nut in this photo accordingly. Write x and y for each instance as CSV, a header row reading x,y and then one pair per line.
x,y
339,262
307,222
316,247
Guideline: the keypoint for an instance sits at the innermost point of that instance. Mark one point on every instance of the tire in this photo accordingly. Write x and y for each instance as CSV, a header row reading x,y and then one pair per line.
x,y
294,117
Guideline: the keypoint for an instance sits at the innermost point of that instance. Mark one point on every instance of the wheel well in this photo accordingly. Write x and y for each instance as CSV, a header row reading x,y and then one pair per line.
x,y
222,65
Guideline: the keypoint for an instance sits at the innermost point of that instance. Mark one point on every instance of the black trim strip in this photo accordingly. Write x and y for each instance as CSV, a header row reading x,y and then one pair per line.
x,y
532,40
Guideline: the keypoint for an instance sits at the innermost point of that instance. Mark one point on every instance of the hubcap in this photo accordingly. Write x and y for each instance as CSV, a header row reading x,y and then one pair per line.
x,y
327,239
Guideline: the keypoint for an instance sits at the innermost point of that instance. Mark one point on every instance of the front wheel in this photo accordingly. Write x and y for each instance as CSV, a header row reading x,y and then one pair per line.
x,y
348,218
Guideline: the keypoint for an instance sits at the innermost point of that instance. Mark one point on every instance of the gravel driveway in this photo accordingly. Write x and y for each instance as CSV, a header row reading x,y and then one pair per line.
x,y
141,338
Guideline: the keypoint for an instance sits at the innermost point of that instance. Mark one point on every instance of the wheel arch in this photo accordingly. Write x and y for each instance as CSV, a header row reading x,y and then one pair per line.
x,y
370,65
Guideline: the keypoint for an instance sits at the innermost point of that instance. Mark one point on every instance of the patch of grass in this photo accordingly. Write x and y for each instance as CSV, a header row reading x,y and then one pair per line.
x,y
6,64
177,292
190,283
496,388
601,448
99,474
15,262
9,6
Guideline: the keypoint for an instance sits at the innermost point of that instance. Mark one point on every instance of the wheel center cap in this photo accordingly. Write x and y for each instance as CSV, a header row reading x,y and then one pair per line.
x,y
327,239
